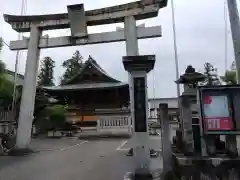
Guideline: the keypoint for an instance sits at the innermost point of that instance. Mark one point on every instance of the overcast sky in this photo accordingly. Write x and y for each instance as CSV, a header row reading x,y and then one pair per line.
x,y
200,39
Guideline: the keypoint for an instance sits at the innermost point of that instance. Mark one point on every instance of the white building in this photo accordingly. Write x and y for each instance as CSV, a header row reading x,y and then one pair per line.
x,y
153,106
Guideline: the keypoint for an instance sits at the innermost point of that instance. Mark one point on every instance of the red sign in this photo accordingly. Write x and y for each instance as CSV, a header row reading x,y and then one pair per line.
x,y
207,100
217,124
216,113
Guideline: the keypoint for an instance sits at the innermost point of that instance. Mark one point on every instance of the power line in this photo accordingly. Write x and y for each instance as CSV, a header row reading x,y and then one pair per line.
x,y
4,42
23,11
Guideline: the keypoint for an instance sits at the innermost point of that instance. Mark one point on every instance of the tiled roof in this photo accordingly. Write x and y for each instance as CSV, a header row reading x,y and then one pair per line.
x,y
86,86
90,62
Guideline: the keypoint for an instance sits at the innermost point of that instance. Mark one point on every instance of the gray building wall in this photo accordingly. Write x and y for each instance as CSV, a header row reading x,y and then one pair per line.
x,y
10,76
153,104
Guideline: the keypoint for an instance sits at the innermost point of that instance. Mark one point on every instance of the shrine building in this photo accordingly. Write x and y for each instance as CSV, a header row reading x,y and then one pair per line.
x,y
89,90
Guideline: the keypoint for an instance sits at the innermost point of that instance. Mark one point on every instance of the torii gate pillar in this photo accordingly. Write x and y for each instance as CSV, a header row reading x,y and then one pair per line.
x,y
29,90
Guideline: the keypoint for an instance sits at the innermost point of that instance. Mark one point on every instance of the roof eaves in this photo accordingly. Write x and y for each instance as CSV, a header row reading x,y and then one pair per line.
x,y
75,86
74,77
102,71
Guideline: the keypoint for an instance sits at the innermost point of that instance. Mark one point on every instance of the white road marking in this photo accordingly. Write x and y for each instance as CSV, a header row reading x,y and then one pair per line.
x,y
62,149
70,147
120,147
126,149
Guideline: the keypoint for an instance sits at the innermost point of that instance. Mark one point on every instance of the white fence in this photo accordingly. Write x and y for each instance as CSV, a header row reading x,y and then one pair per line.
x,y
114,124
5,119
6,116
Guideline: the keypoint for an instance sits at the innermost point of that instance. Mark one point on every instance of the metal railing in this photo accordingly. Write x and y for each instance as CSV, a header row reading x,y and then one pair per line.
x,y
114,122
6,116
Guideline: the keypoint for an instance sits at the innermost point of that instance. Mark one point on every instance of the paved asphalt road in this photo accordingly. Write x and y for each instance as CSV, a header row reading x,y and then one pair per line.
x,y
74,159
70,159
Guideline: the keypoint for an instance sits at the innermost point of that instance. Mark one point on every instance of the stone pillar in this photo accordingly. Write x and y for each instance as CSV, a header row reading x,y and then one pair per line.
x,y
99,123
130,33
129,125
187,124
139,139
231,145
139,66
29,90
166,143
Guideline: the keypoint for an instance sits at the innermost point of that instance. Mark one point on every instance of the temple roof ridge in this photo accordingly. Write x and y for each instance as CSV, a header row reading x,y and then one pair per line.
x,y
92,62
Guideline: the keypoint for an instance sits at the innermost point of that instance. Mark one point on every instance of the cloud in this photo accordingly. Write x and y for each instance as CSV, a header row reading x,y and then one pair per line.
x,y
200,39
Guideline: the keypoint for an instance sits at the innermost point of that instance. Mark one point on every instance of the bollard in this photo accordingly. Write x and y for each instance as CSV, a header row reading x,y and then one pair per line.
x,y
98,125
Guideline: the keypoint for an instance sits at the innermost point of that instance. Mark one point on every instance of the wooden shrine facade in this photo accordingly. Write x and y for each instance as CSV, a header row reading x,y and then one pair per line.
x,y
90,89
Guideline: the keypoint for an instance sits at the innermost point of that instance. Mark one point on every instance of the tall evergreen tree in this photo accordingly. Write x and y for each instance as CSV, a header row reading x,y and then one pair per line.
x,y
72,66
45,77
212,77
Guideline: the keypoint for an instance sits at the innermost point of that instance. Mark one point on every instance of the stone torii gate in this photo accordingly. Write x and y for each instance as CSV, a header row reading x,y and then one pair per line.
x,y
77,19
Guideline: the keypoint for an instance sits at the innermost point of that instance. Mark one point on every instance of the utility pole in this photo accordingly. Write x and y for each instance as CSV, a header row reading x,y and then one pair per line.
x,y
10,127
235,29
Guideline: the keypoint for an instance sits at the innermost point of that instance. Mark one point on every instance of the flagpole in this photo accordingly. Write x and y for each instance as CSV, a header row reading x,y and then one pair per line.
x,y
225,36
175,50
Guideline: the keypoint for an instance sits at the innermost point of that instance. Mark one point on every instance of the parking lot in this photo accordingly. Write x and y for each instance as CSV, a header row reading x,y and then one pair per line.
x,y
71,158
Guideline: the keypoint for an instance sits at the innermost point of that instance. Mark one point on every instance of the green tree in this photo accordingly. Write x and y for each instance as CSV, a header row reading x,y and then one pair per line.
x,y
41,101
2,65
41,111
6,86
55,117
2,68
73,66
1,43
45,77
6,91
230,76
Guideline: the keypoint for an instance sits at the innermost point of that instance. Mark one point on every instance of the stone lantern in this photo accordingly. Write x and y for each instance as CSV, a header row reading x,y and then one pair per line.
x,y
189,121
190,78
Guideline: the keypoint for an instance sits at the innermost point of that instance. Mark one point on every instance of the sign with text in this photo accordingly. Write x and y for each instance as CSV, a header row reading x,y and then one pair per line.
x,y
216,115
140,115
